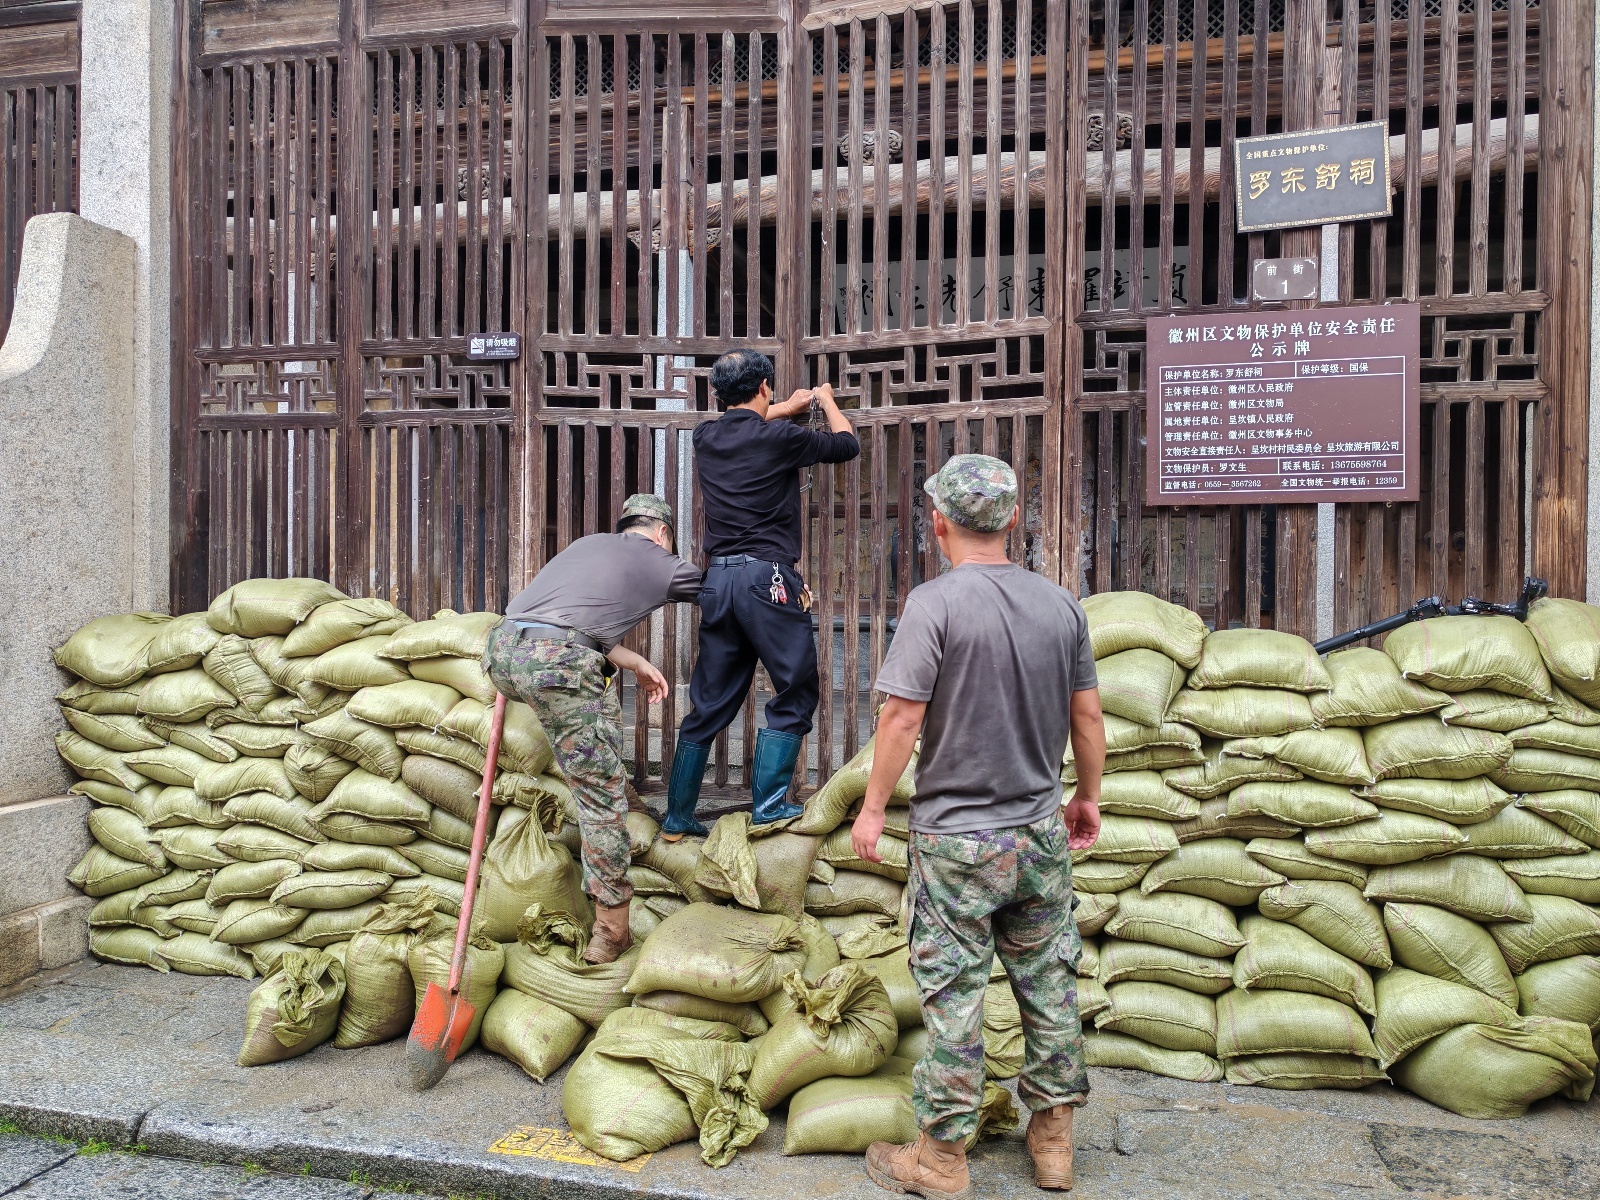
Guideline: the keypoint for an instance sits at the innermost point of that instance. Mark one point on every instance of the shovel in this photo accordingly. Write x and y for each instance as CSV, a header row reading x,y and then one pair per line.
x,y
444,1015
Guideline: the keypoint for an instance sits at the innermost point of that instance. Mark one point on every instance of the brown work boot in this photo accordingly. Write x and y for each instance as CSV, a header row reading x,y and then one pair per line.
x,y
611,938
925,1167
1050,1143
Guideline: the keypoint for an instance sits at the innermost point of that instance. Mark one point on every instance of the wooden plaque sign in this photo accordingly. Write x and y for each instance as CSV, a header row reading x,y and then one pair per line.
x,y
1315,177
1315,405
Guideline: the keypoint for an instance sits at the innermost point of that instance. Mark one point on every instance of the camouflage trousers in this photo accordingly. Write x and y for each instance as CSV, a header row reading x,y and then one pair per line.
x,y
570,692
1005,890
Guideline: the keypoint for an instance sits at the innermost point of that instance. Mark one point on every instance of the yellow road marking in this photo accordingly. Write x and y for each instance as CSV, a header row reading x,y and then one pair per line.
x,y
558,1145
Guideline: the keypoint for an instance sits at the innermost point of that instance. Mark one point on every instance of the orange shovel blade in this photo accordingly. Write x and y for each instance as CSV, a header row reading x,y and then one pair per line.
x,y
437,1034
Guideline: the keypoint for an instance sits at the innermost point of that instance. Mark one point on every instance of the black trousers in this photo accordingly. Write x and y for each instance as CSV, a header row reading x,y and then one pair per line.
x,y
740,626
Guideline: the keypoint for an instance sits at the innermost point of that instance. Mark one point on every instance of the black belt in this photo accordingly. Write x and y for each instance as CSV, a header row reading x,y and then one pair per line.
x,y
558,633
736,560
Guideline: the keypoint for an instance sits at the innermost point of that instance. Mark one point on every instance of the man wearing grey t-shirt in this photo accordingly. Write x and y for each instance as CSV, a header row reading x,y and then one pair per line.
x,y
991,665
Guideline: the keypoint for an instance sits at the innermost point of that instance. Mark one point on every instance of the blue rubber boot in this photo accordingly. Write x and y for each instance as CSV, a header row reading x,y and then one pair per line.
x,y
683,791
776,754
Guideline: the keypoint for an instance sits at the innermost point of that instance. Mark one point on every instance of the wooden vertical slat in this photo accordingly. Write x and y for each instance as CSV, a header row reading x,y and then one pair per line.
x,y
937,133
851,610
591,170
381,324
882,168
964,133
725,160
698,168
853,228
994,72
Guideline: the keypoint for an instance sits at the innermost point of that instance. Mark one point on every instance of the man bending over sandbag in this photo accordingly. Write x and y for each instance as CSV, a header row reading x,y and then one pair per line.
x,y
991,664
557,650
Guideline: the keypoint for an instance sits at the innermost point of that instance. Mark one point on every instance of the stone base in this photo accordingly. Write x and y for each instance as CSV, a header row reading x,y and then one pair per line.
x,y
43,922
44,938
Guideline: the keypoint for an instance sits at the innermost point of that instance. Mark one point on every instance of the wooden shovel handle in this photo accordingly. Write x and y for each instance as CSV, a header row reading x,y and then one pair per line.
x,y
480,835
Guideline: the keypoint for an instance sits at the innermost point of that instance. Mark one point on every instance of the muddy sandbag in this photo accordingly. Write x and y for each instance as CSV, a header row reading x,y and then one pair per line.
x,y
1104,1048
1184,922
1259,658
446,784
828,806
1468,884
1459,654
1568,988
720,953
522,868
680,862
1290,858
196,954
1287,958
755,866
1274,1022
534,1034
1306,804
1387,838
100,873
746,1018
1146,794
1298,1072
1414,1008
1459,801
294,1010
1336,914
429,962
1143,962
1448,946
854,892
131,947
546,962
1423,748
844,1025
1493,1073
113,651
1216,868
1368,689
1173,1018
1120,621
1486,709
1560,927
1519,833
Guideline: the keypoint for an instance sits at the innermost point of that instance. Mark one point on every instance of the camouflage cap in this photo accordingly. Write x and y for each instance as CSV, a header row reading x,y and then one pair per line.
x,y
643,504
975,491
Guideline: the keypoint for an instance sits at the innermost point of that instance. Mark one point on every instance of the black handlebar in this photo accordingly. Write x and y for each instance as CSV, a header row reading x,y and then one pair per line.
x,y
1433,606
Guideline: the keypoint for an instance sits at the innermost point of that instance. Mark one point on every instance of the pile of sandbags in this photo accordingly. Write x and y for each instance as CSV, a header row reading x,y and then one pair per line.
x,y
1385,864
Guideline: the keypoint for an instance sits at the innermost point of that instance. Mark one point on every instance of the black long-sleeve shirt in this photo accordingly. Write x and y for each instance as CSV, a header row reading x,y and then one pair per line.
x,y
749,472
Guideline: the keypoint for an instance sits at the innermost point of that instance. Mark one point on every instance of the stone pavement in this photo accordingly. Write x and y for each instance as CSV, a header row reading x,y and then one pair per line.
x,y
129,1057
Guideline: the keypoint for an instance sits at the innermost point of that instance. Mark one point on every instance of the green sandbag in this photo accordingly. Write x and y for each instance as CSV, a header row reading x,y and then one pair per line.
x,y
331,926
1184,922
95,762
259,607
258,741
429,961
546,962
175,887
340,621
1120,621
180,644
331,889
1560,927
765,871
357,664
719,953
175,806
845,1116
1146,794
1124,737
1214,821
524,746
1530,770
249,880
1567,707
1422,748
123,734
1103,1048
1259,658
342,856
1089,958
223,781
396,705
141,803
290,674
1224,769
447,894
838,851
1307,804
1180,750
1368,689
746,1018
1170,1017
1004,1047
453,831
195,848
1299,1072
1274,1022
1331,755
1216,868
1576,876
463,635
198,736
314,770
437,859
293,1011
182,696
1568,988
828,806
1106,878
196,916
293,817
854,892
1468,884
196,954
1485,709
364,794
463,675
124,835
111,652
1143,962
1387,839
1414,1008
172,765
1092,1000
1567,633
1333,913
1459,801
369,746
537,1036
230,663
1290,858
100,873
131,947
380,996
258,843
1446,945
894,971
1138,684
1131,840
1494,1074
1458,654
1286,958
843,1026
129,908
84,696
1578,812
1519,833
246,921
522,868
1092,912
1242,712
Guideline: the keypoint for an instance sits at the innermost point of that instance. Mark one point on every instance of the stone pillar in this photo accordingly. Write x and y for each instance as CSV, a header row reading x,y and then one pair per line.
x,y
125,106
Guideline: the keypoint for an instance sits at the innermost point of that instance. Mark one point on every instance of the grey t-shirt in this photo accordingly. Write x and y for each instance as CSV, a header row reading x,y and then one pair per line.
x,y
996,651
605,584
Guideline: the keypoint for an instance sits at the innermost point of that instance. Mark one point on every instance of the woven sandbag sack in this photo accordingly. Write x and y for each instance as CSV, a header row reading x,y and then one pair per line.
x,y
123,734
179,644
913,1044
1368,689
230,663
249,880
1092,1000
1286,958
128,908
340,621
95,762
537,1036
1422,748
719,953
1184,922
1460,654
223,781
1149,758
397,705
755,867
124,835
1519,833
260,607
854,892
1567,633
342,856
1145,794
1335,914
1242,712
1216,868
462,635
845,1116
131,947
463,675
1277,1022
362,793
746,1018
380,997
1494,1074
1561,736
250,843
1568,988
435,858
822,954
429,961
1144,962
1092,912
84,696
838,851
1138,684
290,674
331,889
1290,858
1104,1048
195,848
1120,621
1004,1046
1563,707
196,916
171,807
171,765
1131,840
175,887
1468,884
293,817
1214,821
111,652
294,1010
1299,1072
522,868
1387,839
1414,1008
1330,755
196,954
369,746
1306,804
357,664
1560,927
1531,770
1448,946
246,921
1225,767
1487,709
1259,658
1124,737
524,746
100,873
1089,958
331,926
313,770
256,741
141,803
1459,801
828,806
546,962
1103,878
1575,876
1170,1017
448,895
843,1025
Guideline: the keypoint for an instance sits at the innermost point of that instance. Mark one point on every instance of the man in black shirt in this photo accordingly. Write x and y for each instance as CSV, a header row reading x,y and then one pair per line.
x,y
753,605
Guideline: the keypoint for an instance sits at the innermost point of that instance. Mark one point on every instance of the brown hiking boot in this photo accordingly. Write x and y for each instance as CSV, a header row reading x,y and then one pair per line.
x,y
937,1170
611,938
1050,1143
